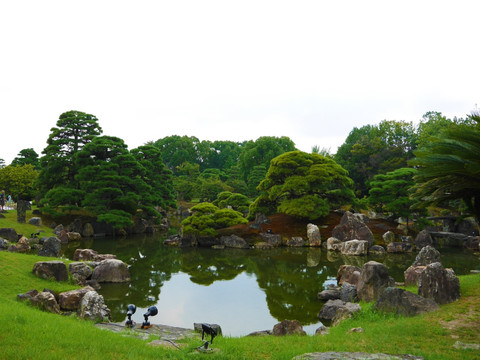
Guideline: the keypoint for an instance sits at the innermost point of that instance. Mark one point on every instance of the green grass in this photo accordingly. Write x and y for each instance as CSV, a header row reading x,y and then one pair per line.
x,y
10,221
28,333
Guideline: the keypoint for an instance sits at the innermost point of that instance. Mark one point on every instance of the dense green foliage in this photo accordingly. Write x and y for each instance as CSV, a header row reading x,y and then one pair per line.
x,y
449,167
27,156
206,218
390,193
303,185
19,181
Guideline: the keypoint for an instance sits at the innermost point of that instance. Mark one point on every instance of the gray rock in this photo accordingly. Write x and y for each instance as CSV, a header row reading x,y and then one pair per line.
x,y
55,269
80,272
87,230
313,235
74,236
374,279
333,244
428,255
9,234
329,310
399,247
70,300
261,333
376,250
23,246
339,355
460,345
322,330
58,229
423,239
348,273
29,295
234,241
348,292
329,294
351,227
272,239
402,302
35,221
46,301
388,237
439,284
288,327
473,243
296,241
51,247
412,274
111,270
12,248
92,306
355,248
4,243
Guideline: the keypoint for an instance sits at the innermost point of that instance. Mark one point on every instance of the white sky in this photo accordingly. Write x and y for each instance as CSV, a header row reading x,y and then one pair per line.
x,y
233,70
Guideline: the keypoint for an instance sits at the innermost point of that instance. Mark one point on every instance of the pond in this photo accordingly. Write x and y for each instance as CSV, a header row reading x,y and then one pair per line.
x,y
241,290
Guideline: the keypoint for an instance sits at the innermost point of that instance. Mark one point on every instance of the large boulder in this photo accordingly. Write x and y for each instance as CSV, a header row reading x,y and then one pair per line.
x,y
88,230
348,274
181,241
348,292
355,248
58,229
399,247
70,300
376,250
313,235
46,301
80,272
402,302
295,241
412,274
9,234
473,243
74,236
51,247
374,279
288,327
388,237
333,244
423,239
85,255
428,255
329,294
272,239
352,227
4,243
55,269
439,284
35,221
23,245
92,306
234,241
331,307
111,270
63,236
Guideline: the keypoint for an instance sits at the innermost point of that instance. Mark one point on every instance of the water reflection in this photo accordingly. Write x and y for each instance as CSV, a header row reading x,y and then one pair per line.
x,y
242,290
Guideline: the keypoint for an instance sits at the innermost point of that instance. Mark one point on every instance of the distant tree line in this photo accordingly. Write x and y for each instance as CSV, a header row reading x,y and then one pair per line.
x,y
393,167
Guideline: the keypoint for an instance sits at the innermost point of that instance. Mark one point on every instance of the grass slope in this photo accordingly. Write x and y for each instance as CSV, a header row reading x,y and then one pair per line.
x,y
28,333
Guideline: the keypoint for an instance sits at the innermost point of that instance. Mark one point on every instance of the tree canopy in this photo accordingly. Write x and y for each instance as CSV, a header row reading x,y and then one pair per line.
x,y
19,181
449,167
27,156
303,185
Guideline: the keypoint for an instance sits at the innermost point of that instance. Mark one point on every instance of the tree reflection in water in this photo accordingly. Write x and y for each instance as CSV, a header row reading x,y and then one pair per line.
x,y
290,277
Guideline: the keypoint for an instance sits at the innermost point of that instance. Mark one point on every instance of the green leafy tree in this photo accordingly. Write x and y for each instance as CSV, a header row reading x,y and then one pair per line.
x,y
157,175
74,130
27,156
209,188
2,163
449,167
376,149
19,181
391,192
207,218
262,151
113,182
235,201
303,185
220,155
177,150
255,178
186,181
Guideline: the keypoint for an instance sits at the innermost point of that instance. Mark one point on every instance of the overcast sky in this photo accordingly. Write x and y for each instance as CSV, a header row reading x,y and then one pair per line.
x,y
233,70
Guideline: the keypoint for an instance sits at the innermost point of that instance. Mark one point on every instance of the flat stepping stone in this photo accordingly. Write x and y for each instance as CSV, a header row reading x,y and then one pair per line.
x,y
165,332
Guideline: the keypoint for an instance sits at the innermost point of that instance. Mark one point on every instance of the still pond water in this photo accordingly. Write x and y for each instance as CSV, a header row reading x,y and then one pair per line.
x,y
241,290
